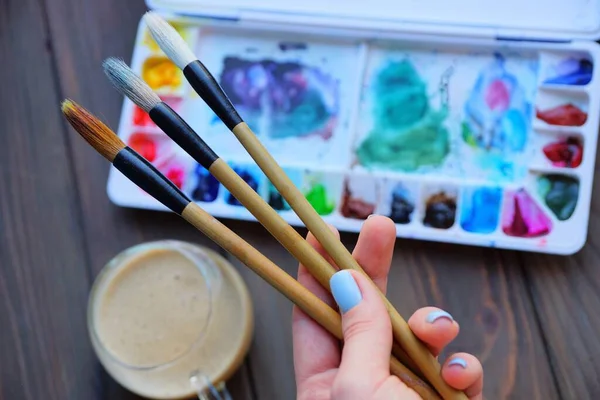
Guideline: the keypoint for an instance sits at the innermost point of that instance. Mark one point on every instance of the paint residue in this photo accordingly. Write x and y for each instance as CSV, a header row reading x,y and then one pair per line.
x,y
523,217
276,200
440,211
407,133
572,71
563,115
354,206
142,118
251,179
207,186
318,197
560,193
480,209
292,99
567,153
497,112
144,145
160,72
402,205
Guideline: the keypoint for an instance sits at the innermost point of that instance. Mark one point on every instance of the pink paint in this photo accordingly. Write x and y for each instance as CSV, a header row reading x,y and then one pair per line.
x,y
523,217
497,96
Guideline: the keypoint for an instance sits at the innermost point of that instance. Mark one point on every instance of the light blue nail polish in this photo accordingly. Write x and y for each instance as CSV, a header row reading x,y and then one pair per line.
x,y
345,290
435,315
458,361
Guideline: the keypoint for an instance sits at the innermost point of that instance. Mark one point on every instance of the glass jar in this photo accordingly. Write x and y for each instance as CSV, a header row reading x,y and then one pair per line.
x,y
170,320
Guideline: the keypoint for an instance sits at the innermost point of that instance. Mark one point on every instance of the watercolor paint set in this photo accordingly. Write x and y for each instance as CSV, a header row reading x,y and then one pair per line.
x,y
474,122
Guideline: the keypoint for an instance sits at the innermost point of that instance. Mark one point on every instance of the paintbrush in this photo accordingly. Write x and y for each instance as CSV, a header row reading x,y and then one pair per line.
x,y
148,178
210,91
133,87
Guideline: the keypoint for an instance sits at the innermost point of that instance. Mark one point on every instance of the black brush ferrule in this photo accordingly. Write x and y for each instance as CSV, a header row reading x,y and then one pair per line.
x,y
183,134
211,92
149,179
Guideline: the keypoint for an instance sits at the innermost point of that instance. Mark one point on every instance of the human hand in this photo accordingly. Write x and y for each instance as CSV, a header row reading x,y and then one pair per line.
x,y
361,369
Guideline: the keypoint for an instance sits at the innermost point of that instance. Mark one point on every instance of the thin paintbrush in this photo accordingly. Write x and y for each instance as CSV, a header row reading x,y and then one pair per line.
x,y
148,178
208,88
132,86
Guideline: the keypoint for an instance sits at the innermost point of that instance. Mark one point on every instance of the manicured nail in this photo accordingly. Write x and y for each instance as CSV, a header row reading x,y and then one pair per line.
x,y
345,290
458,361
435,315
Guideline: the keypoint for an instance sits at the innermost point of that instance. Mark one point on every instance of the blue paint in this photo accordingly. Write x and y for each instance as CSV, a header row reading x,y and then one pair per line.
x,y
497,112
250,176
481,209
207,186
572,72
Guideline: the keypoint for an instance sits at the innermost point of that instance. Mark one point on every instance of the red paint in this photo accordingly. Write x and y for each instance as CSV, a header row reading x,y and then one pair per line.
x,y
565,154
564,115
141,117
176,175
144,145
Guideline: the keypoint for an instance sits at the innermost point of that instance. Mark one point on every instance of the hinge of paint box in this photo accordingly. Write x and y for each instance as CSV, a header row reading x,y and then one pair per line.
x,y
524,39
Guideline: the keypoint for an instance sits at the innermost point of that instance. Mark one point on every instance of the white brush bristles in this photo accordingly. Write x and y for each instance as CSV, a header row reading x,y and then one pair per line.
x,y
169,40
131,85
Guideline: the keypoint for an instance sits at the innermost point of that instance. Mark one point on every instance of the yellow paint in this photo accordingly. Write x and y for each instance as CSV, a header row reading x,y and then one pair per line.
x,y
151,43
160,72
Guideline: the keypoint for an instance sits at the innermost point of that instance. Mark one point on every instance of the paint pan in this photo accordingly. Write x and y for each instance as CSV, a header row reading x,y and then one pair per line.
x,y
473,128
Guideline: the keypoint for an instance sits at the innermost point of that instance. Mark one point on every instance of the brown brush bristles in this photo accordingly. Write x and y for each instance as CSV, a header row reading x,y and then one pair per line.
x,y
98,135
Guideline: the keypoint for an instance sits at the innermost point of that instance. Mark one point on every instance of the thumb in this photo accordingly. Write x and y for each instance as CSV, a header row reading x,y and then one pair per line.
x,y
366,326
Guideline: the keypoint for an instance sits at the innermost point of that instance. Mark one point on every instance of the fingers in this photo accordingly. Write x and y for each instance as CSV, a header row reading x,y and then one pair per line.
x,y
435,327
375,248
315,350
464,372
366,326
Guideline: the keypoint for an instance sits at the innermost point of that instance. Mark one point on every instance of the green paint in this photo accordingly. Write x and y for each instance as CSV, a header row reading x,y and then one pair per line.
x,y
560,193
317,197
407,132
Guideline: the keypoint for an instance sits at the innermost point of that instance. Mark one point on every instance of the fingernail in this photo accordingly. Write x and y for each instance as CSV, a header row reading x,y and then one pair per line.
x,y
458,361
372,215
345,290
435,315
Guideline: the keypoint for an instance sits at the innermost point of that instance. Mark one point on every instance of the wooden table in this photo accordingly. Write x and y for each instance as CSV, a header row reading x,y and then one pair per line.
x,y
534,320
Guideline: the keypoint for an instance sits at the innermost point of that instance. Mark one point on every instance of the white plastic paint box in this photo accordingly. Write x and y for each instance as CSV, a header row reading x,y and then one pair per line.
x,y
470,122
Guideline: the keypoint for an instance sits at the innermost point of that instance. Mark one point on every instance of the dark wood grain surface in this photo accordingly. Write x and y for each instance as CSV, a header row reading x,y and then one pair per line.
x,y
532,319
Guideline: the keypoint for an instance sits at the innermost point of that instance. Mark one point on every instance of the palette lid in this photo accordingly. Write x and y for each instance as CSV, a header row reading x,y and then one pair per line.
x,y
562,20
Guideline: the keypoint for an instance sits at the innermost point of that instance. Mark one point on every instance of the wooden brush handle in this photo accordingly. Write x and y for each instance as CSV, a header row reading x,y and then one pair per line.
x,y
415,349
283,232
318,310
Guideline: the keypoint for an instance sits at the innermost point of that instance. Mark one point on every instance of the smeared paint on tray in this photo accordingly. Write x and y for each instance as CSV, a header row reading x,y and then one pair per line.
x,y
563,115
560,193
440,210
206,187
322,191
161,74
572,71
252,175
480,209
565,153
361,194
523,217
288,99
497,119
142,119
402,204
408,131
